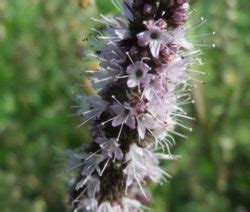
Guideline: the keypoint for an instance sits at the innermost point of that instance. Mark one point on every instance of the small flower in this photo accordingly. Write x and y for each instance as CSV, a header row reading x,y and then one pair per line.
x,y
153,87
91,184
119,29
124,115
137,73
179,38
142,163
144,122
96,104
111,53
91,164
116,28
74,159
110,148
155,37
174,71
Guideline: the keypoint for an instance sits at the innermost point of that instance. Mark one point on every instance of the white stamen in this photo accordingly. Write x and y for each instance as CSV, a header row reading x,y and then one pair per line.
x,y
131,60
114,97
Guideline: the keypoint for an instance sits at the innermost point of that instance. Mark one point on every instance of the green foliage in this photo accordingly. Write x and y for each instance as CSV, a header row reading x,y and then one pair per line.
x,y
40,41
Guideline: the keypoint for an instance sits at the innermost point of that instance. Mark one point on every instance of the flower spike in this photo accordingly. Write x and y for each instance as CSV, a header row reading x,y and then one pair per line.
x,y
144,78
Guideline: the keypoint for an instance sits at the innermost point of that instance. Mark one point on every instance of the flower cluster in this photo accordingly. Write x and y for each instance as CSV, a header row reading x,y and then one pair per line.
x,y
145,80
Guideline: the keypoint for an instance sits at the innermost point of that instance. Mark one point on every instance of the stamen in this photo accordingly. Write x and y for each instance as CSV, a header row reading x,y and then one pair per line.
x,y
122,77
106,164
158,98
98,21
90,71
192,12
206,45
185,127
96,31
203,21
192,53
196,80
120,131
102,80
89,111
105,122
86,120
90,156
171,137
131,60
198,72
114,97
183,116
117,5
202,35
179,134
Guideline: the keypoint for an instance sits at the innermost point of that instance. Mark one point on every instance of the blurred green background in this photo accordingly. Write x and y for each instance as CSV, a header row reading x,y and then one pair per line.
x,y
40,49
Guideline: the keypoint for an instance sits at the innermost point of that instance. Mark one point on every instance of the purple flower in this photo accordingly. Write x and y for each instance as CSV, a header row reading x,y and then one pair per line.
x,y
97,107
155,38
153,87
143,81
116,28
179,38
110,148
143,163
175,71
144,122
91,184
137,74
91,164
123,115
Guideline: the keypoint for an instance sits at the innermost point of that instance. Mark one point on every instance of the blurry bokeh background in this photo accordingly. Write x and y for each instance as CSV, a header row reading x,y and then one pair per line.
x,y
40,49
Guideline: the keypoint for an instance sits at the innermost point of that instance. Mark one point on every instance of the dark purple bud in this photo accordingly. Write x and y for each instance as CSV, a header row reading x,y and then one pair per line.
x,y
140,107
179,15
148,9
162,24
134,50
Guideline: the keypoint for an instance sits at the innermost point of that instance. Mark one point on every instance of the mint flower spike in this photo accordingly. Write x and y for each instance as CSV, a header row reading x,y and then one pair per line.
x,y
145,79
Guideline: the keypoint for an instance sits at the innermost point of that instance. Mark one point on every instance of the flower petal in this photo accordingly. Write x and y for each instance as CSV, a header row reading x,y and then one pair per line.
x,y
143,38
132,83
131,122
141,129
155,48
118,120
